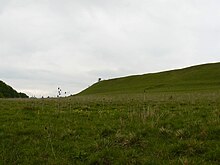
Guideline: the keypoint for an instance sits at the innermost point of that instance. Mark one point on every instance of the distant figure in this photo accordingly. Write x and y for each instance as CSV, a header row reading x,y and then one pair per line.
x,y
100,79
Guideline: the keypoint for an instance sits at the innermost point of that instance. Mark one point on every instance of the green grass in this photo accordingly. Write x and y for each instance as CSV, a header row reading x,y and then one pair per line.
x,y
199,78
157,128
8,92
164,118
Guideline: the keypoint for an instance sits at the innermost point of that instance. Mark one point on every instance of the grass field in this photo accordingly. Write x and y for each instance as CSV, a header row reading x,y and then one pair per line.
x,y
171,117
145,128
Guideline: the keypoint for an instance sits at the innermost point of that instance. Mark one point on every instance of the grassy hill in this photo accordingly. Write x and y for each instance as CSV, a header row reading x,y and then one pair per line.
x,y
157,128
201,77
8,92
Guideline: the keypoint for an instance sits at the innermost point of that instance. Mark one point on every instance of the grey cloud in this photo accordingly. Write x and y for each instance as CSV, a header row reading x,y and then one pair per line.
x,y
72,43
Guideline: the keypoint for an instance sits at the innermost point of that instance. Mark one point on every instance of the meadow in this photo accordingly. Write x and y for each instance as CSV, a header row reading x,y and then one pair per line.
x,y
143,128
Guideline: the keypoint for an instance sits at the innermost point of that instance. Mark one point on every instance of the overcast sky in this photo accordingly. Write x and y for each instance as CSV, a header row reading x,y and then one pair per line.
x,y
45,44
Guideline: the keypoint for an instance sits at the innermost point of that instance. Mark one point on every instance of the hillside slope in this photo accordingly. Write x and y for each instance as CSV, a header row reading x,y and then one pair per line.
x,y
200,77
8,92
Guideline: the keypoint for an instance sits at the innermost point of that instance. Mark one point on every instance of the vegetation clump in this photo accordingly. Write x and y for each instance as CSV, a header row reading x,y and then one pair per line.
x,y
8,92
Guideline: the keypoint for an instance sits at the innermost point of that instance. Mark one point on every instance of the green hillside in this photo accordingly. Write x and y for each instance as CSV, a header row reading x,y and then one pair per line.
x,y
195,78
8,92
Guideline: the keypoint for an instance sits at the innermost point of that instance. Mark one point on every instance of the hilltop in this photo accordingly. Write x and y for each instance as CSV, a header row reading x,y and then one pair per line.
x,y
7,91
194,78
